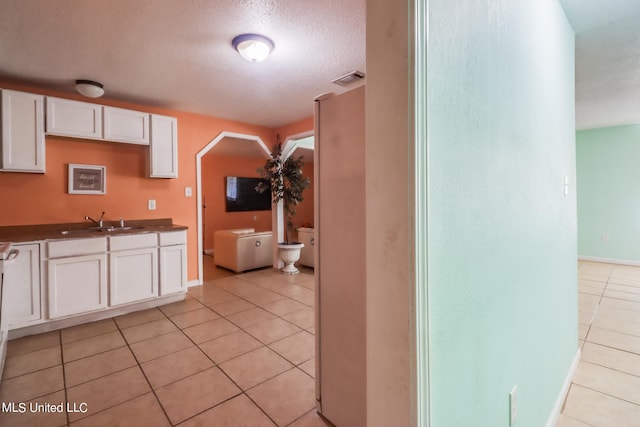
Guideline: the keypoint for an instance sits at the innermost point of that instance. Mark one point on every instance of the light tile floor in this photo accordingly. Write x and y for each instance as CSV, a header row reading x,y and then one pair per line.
x,y
606,388
238,351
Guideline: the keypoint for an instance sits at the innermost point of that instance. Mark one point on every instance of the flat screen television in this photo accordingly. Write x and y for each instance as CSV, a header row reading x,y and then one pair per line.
x,y
241,195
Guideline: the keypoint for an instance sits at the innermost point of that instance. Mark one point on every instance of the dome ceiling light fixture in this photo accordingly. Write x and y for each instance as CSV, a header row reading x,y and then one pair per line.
x,y
253,47
89,88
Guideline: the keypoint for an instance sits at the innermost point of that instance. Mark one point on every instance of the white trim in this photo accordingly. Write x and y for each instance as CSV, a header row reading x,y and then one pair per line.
x,y
291,142
191,283
609,260
557,408
199,156
208,252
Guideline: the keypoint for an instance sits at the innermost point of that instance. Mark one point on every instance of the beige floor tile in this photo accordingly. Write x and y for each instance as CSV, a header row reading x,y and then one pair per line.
x,y
606,312
582,331
179,307
304,318
108,391
255,367
160,346
312,330
627,296
230,307
148,330
587,302
31,362
272,330
89,346
622,361
566,421
262,296
228,283
250,317
614,339
598,409
608,381
585,318
237,412
139,317
290,289
592,277
296,348
621,304
216,296
197,393
141,411
175,366
296,396
284,306
229,346
617,324
195,317
210,330
99,365
311,419
87,330
307,297
309,367
623,288
35,417
33,343
31,386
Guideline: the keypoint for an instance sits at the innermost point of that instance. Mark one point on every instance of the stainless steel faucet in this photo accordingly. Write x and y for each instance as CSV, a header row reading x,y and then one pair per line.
x,y
98,222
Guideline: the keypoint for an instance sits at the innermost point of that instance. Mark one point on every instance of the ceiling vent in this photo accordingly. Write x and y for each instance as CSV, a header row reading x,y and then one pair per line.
x,y
347,79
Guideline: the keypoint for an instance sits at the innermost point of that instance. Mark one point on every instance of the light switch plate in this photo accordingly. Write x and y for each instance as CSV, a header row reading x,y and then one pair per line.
x,y
151,204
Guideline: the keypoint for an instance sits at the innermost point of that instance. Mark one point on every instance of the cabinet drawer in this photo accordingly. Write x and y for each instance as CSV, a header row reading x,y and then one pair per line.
x,y
73,247
132,241
173,238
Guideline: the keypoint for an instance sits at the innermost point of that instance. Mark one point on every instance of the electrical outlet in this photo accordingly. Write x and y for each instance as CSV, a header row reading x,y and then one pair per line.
x,y
188,191
513,405
605,237
151,204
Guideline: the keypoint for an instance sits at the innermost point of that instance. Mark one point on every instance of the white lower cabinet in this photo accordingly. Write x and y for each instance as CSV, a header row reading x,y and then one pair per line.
x,y
173,262
133,275
22,288
77,285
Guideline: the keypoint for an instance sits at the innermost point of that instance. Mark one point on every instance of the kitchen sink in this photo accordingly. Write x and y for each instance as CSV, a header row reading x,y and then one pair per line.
x,y
111,229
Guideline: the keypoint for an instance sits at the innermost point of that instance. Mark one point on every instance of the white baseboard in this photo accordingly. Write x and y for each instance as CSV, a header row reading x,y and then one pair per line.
x,y
609,260
557,408
194,282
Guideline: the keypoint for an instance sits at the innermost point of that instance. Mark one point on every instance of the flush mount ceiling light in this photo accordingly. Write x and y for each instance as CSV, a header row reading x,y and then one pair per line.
x,y
89,88
253,47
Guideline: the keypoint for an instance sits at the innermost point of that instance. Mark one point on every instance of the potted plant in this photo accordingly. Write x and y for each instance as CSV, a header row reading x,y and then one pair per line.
x,y
287,184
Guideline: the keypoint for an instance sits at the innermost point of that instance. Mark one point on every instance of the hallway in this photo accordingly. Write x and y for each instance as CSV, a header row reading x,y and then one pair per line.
x,y
606,388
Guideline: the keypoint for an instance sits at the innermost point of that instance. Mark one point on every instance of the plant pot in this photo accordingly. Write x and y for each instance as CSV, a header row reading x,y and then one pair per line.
x,y
289,254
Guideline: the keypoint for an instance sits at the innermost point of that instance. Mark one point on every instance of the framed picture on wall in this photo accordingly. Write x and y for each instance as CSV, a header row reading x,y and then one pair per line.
x,y
87,179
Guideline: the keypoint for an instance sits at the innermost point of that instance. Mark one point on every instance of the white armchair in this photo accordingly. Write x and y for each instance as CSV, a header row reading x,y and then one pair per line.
x,y
244,249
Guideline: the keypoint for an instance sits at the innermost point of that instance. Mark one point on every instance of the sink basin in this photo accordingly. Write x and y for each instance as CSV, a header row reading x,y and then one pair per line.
x,y
111,229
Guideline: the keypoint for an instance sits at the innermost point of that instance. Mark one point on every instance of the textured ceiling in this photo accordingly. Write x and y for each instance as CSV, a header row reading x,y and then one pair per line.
x,y
607,61
177,53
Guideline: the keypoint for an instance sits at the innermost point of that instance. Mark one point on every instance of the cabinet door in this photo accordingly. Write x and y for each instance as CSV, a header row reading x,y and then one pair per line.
x,y
77,285
163,162
173,269
22,288
129,126
133,276
22,132
74,118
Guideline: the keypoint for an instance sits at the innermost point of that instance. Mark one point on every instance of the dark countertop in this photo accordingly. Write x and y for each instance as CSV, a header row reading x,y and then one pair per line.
x,y
79,230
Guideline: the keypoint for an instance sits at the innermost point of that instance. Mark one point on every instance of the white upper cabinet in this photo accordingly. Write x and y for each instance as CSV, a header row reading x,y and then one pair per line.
x,y
22,132
74,118
163,159
127,126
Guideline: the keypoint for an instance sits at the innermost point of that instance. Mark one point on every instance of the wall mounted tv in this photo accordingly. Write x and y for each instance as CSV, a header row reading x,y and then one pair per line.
x,y
241,195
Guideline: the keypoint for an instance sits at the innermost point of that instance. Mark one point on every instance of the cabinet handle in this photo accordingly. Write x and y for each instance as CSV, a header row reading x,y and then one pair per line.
x,y
313,241
258,243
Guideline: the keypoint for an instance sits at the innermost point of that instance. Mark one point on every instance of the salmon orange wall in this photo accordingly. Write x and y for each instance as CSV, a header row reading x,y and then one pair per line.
x,y
43,198
214,169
